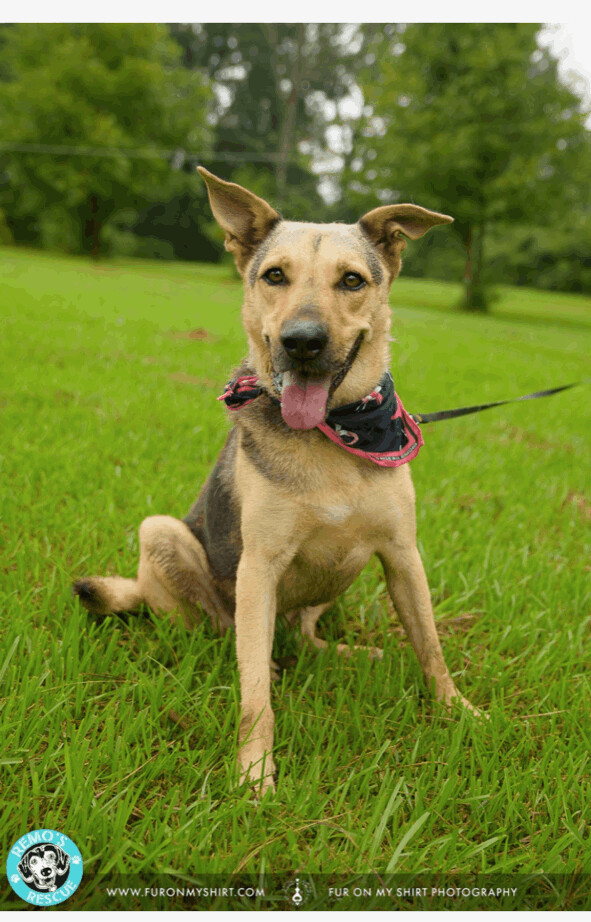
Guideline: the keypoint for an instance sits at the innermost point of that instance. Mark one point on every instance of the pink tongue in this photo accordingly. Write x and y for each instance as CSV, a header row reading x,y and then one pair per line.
x,y
303,402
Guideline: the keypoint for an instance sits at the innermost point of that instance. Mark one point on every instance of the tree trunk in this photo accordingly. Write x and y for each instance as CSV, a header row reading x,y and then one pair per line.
x,y
477,283
285,143
475,295
288,124
468,268
93,227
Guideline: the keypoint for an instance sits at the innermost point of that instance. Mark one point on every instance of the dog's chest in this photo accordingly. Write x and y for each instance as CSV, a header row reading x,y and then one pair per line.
x,y
342,537
343,532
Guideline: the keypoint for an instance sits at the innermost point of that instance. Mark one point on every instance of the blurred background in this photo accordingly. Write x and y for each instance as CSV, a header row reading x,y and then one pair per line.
x,y
102,125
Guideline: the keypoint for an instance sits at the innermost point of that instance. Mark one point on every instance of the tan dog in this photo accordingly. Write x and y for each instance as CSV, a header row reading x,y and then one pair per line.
x,y
288,519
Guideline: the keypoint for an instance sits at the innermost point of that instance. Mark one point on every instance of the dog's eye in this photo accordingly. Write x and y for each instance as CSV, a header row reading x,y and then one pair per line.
x,y
274,276
352,281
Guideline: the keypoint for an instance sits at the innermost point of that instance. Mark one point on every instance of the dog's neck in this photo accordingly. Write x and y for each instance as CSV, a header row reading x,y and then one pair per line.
x,y
376,428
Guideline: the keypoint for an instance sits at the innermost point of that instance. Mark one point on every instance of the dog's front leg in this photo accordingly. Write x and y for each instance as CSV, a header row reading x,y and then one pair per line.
x,y
256,590
409,591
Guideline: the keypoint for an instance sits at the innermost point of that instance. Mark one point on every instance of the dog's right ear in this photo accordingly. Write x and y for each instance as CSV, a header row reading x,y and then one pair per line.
x,y
24,869
245,218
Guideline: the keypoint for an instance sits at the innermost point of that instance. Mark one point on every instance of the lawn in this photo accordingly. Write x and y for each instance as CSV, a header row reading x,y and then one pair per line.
x,y
122,735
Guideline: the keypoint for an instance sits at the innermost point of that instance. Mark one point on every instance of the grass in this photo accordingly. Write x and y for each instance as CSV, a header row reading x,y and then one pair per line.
x,y
123,735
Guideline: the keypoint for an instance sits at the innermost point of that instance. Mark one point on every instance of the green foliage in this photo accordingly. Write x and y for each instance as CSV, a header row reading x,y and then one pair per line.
x,y
6,237
470,119
277,87
557,257
105,87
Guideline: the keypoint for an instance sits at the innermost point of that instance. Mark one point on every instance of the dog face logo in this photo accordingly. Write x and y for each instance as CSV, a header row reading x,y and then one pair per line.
x,y
44,867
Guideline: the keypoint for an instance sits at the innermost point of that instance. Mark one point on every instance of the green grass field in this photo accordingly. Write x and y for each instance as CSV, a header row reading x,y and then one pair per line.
x,y
123,735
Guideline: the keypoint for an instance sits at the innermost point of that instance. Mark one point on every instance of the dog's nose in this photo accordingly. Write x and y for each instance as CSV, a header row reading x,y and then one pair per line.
x,y
303,340
46,872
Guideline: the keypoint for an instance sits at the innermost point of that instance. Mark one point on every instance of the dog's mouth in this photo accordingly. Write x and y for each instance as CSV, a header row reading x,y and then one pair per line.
x,y
304,398
46,883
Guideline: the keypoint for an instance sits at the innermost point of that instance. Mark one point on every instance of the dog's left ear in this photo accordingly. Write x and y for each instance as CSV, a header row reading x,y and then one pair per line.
x,y
245,218
388,225
63,860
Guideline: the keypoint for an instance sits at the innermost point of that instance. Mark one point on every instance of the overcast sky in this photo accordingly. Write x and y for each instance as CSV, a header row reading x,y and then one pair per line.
x,y
571,42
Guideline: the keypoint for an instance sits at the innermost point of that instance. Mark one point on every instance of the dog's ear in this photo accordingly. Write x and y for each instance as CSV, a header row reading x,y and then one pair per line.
x,y
24,869
63,860
388,225
245,218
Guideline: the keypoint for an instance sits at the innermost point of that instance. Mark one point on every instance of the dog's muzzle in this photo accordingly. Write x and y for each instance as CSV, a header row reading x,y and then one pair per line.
x,y
306,387
304,340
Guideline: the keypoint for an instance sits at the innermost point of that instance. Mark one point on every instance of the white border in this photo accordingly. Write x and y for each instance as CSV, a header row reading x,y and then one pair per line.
x,y
303,11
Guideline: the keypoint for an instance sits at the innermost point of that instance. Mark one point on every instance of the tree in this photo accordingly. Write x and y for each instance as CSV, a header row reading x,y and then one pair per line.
x,y
279,87
471,119
83,95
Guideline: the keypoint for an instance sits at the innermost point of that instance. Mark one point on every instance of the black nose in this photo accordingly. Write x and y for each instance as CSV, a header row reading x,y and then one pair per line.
x,y
303,340
46,872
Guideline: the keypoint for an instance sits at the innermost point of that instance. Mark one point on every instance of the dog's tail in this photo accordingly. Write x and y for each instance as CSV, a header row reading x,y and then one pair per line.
x,y
107,595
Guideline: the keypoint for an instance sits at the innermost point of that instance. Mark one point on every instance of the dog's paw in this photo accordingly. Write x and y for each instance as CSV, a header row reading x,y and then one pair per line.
x,y
373,652
455,699
89,594
275,671
482,715
259,775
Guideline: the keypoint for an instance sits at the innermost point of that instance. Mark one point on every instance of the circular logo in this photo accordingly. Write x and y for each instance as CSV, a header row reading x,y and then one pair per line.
x,y
44,867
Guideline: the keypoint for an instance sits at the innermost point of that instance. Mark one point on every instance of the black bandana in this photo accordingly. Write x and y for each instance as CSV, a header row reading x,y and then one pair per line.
x,y
377,428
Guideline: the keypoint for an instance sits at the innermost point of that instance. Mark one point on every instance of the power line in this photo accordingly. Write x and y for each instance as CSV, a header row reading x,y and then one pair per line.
x,y
142,153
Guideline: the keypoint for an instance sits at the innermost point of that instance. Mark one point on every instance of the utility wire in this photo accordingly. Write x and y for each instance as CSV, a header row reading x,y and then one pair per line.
x,y
325,165
140,153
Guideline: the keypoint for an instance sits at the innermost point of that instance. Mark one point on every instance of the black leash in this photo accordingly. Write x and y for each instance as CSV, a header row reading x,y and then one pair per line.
x,y
464,411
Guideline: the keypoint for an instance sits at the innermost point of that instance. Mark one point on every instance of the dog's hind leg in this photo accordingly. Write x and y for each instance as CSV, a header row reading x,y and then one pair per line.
x,y
174,569
104,595
309,619
173,573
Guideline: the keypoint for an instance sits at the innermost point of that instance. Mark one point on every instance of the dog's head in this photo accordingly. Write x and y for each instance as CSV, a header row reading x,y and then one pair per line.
x,y
43,867
316,296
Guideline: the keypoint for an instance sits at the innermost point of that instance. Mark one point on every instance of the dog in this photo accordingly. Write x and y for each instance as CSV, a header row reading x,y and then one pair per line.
x,y
44,868
293,510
